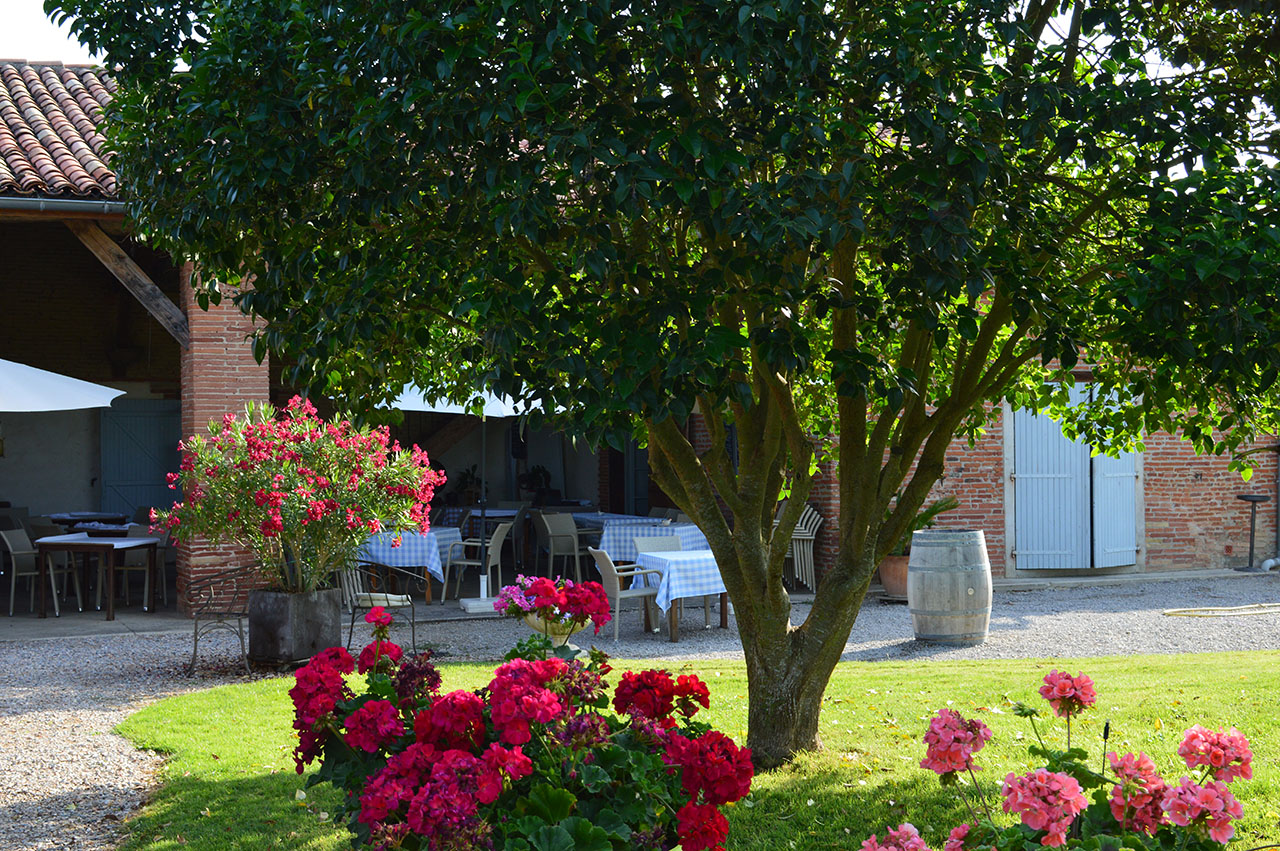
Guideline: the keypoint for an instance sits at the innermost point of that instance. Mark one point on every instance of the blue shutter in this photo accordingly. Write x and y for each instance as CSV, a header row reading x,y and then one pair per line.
x,y
1115,511
139,442
1051,496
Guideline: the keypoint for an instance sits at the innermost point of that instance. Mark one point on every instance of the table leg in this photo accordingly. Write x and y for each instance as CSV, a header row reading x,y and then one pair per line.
x,y
110,557
42,579
673,621
724,610
153,580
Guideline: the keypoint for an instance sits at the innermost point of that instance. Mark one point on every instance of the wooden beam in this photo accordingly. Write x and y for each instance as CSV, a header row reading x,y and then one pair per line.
x,y
136,281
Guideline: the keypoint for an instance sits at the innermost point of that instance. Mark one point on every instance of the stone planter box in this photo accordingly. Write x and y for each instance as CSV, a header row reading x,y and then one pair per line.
x,y
286,628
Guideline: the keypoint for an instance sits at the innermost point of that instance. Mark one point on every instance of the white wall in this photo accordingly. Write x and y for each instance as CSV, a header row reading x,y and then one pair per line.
x,y
50,461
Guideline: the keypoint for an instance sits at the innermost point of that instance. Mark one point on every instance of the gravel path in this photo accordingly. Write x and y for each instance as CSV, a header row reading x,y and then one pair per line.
x,y
67,781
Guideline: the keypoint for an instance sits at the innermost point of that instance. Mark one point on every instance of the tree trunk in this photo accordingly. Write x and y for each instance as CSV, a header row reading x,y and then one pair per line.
x,y
788,668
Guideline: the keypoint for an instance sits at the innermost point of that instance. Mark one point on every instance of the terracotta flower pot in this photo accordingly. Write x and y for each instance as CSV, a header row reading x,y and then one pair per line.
x,y
893,576
558,632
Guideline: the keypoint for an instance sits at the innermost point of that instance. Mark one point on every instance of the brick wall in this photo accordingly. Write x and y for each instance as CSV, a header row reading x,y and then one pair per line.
x,y
219,375
1193,517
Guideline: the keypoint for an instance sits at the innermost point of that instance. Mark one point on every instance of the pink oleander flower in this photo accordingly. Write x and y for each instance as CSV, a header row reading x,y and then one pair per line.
x,y
1226,753
1044,800
955,840
1068,695
904,838
1208,809
952,741
1135,800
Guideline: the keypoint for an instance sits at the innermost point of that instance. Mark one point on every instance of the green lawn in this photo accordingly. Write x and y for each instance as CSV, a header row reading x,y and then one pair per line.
x,y
230,781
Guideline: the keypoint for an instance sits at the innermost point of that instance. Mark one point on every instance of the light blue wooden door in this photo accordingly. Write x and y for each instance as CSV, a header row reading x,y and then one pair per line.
x,y
1115,515
1071,511
1051,496
139,446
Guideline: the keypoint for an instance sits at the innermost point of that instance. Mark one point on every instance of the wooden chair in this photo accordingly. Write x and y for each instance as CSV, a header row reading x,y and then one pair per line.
x,y
493,567
612,580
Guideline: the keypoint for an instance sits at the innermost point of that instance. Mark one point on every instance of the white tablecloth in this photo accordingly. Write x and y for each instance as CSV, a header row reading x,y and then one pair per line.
x,y
685,573
416,550
618,539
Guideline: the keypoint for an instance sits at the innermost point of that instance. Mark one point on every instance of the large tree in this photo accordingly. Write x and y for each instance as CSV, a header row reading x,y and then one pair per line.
x,y
849,230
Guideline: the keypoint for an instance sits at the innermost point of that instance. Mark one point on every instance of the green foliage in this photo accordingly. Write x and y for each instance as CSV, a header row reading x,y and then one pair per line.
x,y
924,519
851,231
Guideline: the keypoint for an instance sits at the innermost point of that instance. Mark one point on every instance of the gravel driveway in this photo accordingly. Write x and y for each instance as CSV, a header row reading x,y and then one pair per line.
x,y
67,781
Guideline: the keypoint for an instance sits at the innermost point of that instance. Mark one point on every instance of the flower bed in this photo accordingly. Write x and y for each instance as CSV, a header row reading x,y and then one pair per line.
x,y
1132,806
535,760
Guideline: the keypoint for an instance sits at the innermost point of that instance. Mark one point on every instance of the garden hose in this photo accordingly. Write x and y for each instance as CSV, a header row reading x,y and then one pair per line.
x,y
1224,611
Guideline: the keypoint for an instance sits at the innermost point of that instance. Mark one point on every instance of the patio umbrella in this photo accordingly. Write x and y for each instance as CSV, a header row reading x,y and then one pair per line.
x,y
413,399
25,389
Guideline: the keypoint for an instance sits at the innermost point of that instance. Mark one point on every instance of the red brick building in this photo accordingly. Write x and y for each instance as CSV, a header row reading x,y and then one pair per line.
x,y
1184,508
83,297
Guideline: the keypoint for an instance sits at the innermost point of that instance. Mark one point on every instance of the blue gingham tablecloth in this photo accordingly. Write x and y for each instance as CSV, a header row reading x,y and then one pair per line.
x,y
685,573
416,550
601,519
618,538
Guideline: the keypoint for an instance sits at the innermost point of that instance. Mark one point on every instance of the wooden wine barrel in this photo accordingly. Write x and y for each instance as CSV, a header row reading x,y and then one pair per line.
x,y
949,586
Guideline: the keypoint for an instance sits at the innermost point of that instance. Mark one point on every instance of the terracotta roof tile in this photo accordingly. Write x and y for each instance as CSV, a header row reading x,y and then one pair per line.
x,y
49,139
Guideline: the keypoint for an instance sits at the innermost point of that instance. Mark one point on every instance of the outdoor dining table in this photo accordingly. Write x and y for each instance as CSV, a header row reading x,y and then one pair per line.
x,y
601,519
71,518
685,574
618,539
416,550
107,550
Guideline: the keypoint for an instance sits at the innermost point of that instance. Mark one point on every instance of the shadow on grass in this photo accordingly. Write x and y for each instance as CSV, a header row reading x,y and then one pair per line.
x,y
254,812
815,804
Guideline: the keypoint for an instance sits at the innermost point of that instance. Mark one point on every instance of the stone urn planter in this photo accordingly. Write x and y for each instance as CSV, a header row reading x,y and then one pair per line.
x,y
292,627
559,633
893,576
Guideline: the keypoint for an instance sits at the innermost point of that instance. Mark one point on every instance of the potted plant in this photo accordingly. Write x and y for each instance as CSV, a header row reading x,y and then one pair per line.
x,y
557,608
893,569
535,480
303,495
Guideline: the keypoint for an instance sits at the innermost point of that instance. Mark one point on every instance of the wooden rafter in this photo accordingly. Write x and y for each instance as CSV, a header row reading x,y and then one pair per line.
x,y
135,280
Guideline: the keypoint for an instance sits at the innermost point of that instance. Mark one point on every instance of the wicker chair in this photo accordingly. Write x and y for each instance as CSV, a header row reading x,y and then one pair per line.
x,y
612,580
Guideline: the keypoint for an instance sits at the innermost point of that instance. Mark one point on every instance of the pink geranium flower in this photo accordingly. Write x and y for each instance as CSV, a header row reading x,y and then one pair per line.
x,y
1226,753
1068,695
904,838
952,741
1044,800
1135,800
1209,809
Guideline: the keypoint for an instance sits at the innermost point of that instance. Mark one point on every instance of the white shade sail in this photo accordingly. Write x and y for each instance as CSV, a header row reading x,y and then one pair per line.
x,y
25,388
413,399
